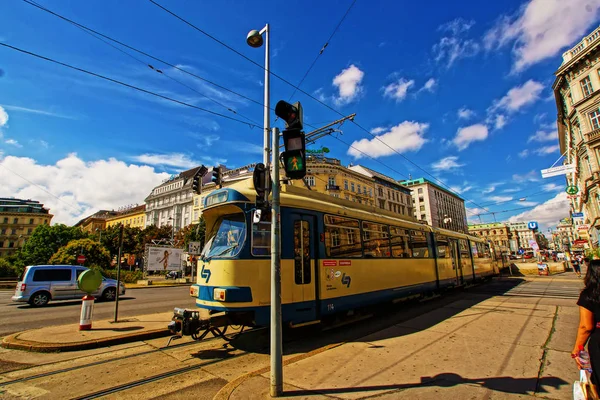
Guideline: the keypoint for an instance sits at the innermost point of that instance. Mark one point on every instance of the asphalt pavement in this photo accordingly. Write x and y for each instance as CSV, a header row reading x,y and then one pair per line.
x,y
16,317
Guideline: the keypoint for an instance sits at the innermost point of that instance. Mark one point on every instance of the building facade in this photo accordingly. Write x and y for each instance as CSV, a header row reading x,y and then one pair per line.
x,y
18,220
95,222
437,206
134,217
577,95
565,234
496,233
171,202
389,194
520,236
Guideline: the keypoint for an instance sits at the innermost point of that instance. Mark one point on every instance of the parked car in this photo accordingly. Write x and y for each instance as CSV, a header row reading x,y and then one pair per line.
x,y
41,283
173,275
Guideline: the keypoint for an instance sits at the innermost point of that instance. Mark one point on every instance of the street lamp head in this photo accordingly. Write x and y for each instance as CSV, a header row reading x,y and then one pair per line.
x,y
254,38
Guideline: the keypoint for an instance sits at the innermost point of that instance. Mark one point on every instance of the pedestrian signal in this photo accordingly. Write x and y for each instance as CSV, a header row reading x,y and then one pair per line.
x,y
294,156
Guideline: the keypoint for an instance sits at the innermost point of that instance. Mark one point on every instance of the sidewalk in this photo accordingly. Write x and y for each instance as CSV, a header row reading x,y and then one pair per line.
x,y
102,334
505,347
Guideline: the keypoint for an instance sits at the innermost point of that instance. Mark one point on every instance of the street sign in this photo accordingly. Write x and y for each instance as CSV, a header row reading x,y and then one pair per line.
x,y
532,225
560,170
577,215
131,260
194,248
583,227
572,190
80,259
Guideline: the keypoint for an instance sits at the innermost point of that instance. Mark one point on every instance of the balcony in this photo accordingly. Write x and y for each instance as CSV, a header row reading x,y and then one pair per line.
x,y
332,187
592,136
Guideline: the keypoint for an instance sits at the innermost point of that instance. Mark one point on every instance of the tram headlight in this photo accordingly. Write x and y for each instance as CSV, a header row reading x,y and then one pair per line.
x,y
219,294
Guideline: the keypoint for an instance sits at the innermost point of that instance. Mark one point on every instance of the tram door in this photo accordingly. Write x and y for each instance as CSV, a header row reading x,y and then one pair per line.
x,y
305,262
456,262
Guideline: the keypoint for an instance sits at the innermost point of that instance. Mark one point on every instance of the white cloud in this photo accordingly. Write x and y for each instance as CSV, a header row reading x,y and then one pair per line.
x,y
511,190
36,111
465,113
455,45
542,151
552,187
465,136
378,130
13,142
542,29
519,96
528,203
543,136
461,189
546,214
73,189
406,136
489,190
524,153
497,199
446,164
177,160
499,121
398,90
348,83
531,176
429,86
3,117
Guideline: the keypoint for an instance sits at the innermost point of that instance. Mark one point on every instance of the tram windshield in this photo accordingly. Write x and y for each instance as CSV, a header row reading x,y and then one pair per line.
x,y
226,238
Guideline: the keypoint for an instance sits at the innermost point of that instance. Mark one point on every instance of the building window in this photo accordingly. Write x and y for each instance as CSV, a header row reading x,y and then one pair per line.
x,y
420,190
595,119
30,221
16,221
345,185
370,192
352,186
358,188
6,220
586,86
422,208
331,181
310,180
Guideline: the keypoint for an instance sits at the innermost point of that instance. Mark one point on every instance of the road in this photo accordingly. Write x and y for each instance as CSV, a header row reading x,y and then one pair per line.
x,y
18,316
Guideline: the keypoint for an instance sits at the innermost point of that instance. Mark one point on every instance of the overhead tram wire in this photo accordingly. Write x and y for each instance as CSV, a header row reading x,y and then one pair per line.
x,y
154,69
309,95
517,209
143,52
127,85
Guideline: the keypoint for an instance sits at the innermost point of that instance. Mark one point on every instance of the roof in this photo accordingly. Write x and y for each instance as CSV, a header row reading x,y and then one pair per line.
x,y
423,181
102,214
379,175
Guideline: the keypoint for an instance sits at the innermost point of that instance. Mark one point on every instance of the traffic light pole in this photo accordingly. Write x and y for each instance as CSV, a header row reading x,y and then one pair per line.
x,y
276,339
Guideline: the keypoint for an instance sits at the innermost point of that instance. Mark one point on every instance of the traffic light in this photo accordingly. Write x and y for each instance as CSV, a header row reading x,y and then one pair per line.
x,y
197,183
294,156
216,176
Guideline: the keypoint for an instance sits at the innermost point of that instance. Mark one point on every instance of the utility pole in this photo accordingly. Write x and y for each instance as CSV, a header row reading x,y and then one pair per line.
x,y
276,338
118,273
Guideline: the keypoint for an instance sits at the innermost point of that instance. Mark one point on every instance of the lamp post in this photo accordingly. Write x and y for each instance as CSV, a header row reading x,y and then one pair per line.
x,y
255,39
171,222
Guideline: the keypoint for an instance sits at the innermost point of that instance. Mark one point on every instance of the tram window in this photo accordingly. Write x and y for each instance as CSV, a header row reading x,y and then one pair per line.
x,y
342,237
443,248
418,244
464,248
227,237
302,273
400,242
261,237
376,240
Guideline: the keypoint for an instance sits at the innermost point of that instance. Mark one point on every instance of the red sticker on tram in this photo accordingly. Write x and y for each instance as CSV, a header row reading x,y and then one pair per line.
x,y
345,263
329,263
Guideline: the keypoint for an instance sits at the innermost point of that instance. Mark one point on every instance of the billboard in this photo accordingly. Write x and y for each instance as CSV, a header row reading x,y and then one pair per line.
x,y
164,259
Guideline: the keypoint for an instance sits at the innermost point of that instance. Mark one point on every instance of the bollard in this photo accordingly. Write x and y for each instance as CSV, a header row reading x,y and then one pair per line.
x,y
87,308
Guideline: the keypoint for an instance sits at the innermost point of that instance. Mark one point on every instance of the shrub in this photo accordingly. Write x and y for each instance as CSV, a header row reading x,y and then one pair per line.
x,y
7,270
126,276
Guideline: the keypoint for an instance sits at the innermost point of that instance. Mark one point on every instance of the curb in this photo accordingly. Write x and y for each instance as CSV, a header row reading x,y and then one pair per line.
x,y
156,286
14,343
230,387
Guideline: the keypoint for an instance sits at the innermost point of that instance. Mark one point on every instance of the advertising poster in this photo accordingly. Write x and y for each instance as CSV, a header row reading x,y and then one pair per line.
x,y
164,259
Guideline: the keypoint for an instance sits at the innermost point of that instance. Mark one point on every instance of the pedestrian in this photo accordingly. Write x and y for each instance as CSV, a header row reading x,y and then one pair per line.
x,y
589,320
576,265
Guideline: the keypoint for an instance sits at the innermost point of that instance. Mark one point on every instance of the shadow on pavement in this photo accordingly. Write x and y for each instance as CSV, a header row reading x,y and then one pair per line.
x,y
504,384
65,303
432,312
124,329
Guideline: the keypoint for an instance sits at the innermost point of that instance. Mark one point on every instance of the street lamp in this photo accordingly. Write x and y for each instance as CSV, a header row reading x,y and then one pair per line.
x,y
255,40
172,228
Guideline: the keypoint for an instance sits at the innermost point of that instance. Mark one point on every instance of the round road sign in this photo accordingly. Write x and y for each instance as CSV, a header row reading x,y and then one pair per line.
x,y
89,281
81,259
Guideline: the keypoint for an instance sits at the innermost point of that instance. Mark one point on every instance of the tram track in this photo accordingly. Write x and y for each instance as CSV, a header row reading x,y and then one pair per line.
x,y
110,360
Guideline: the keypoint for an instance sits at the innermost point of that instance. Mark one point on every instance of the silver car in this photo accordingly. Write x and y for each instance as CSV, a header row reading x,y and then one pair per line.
x,y
42,283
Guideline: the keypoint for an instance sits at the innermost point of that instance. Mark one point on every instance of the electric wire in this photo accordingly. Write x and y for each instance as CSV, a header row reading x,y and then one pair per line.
x,y
260,103
309,95
149,66
127,85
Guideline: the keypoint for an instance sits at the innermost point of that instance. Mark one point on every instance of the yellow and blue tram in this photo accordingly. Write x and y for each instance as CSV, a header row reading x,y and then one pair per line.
x,y
336,255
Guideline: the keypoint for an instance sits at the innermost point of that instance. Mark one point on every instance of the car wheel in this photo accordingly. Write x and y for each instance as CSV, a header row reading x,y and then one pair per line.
x,y
109,294
39,299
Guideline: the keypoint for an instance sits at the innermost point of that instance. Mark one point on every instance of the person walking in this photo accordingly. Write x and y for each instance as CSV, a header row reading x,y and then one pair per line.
x,y
589,320
576,262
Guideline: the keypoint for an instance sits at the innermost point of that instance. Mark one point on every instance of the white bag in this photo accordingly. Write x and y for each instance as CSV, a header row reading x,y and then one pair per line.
x,y
580,386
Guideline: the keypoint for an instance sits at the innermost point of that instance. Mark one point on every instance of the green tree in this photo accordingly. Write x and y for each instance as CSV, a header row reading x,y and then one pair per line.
x,y
191,233
131,239
44,242
95,254
6,268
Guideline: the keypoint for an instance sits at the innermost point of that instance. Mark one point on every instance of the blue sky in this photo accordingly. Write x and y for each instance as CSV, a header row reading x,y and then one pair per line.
x,y
462,89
